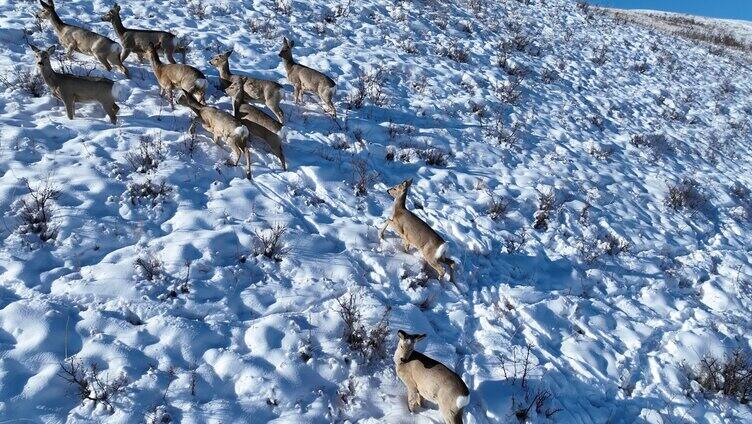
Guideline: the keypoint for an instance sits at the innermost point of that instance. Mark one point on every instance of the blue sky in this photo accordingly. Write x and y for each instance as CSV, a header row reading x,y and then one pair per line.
x,y
734,9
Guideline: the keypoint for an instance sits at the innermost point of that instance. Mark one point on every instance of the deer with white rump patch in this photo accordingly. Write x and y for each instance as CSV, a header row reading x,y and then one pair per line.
x,y
138,40
256,89
305,79
74,38
415,232
259,124
72,88
222,126
176,75
426,378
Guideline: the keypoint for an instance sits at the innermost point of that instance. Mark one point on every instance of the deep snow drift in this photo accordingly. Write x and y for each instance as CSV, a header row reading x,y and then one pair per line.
x,y
508,116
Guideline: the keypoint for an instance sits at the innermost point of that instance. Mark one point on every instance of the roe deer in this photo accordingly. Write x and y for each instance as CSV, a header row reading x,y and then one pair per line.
x,y
427,378
81,40
274,139
256,90
414,231
138,40
71,88
176,75
305,79
223,126
240,107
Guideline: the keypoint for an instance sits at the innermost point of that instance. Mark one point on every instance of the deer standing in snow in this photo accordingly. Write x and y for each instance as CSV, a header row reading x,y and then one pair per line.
x,y
426,378
74,38
72,88
240,106
259,124
176,75
414,231
256,89
223,126
138,40
305,79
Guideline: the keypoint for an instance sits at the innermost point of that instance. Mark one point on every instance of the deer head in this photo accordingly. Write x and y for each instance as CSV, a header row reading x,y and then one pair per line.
x,y
400,188
406,344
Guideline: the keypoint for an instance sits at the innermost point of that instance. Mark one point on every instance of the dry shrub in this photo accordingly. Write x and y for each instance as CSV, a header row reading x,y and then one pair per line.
x,y
367,342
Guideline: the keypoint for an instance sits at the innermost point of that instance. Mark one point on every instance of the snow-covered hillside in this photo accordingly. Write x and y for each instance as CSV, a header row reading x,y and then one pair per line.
x,y
591,177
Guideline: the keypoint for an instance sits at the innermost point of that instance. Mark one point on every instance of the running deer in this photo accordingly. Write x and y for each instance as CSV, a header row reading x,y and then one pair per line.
x,y
305,79
414,231
176,75
240,107
71,88
138,40
253,119
256,90
426,378
223,126
81,40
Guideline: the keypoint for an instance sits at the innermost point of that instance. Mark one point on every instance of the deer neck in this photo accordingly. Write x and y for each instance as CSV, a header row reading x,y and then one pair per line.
x,y
48,75
289,63
224,73
56,22
117,23
156,64
399,202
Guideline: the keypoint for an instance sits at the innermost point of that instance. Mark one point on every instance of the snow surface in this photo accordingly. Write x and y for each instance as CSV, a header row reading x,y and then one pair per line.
x,y
219,337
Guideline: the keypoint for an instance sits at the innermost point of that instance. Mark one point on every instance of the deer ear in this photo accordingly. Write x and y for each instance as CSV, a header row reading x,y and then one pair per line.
x,y
408,183
420,337
292,43
51,49
34,48
401,334
285,43
228,53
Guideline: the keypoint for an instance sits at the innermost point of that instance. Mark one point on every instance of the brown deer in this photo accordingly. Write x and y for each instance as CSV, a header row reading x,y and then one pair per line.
x,y
426,378
176,75
240,107
305,79
72,89
223,126
138,40
256,89
81,40
414,231
253,118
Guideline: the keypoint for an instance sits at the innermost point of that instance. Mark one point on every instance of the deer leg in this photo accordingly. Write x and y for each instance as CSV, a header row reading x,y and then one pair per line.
x,y
436,266
298,90
413,398
124,54
169,50
273,105
326,99
171,96
383,228
405,246
450,416
111,109
248,162
70,106
281,156
69,52
102,58
115,60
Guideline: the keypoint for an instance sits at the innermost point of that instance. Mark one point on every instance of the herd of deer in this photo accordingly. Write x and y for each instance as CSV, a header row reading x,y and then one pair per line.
x,y
423,376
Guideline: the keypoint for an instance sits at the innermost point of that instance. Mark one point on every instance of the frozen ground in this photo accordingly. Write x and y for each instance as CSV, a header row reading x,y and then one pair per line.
x,y
613,297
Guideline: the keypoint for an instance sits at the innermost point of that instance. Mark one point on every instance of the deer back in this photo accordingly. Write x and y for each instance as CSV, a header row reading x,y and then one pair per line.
x,y
433,379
